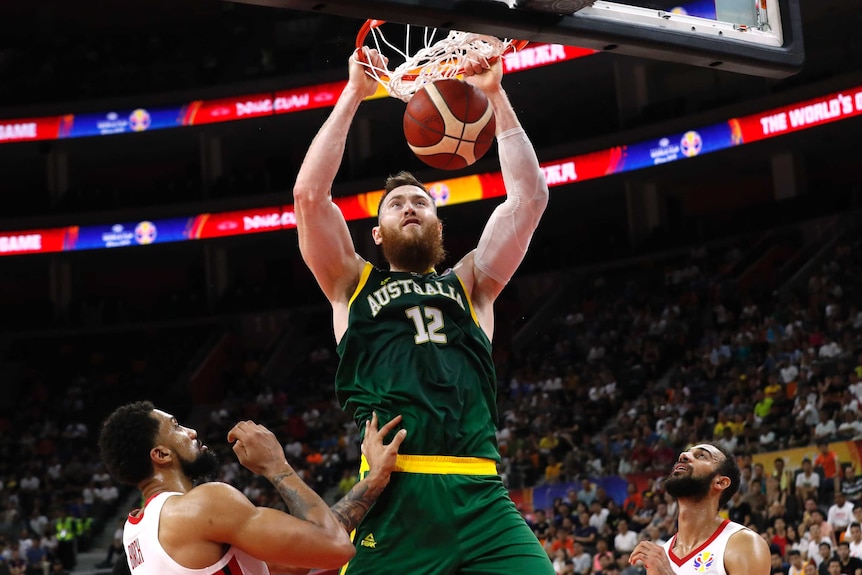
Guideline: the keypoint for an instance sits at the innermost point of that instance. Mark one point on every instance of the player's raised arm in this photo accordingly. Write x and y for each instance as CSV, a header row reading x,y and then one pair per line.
x,y
311,536
324,239
381,457
507,234
219,512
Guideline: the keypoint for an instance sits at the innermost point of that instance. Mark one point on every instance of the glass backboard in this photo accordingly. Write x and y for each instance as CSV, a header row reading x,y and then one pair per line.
x,y
759,37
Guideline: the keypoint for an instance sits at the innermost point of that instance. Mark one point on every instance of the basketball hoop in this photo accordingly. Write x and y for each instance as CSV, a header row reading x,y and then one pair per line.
x,y
435,59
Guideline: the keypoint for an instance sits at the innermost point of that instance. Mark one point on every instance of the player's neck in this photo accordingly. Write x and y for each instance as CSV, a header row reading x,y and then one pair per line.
x,y
164,483
405,269
697,522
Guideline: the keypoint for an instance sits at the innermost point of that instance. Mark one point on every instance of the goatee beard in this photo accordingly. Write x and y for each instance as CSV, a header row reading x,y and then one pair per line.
x,y
414,252
202,469
688,486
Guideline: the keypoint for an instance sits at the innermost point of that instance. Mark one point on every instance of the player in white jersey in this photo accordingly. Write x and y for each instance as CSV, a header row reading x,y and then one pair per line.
x,y
186,528
703,479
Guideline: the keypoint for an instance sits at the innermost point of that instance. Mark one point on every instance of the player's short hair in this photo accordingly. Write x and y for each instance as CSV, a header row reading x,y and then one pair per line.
x,y
793,552
402,178
729,469
125,440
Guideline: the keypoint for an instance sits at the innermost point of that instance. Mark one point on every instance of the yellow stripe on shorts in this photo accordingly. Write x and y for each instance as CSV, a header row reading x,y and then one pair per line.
x,y
439,465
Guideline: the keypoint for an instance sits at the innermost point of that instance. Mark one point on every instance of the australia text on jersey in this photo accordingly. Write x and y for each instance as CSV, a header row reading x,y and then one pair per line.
x,y
395,288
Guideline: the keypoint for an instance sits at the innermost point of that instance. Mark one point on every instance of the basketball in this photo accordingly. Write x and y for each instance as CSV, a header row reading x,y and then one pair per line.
x,y
449,124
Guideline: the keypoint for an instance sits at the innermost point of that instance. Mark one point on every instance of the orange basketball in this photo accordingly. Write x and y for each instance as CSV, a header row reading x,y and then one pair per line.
x,y
449,124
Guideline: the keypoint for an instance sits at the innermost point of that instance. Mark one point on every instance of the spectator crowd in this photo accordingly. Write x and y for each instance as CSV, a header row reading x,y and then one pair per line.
x,y
639,366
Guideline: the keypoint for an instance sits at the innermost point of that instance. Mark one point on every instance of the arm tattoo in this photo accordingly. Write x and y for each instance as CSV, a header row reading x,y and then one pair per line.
x,y
276,479
297,506
352,507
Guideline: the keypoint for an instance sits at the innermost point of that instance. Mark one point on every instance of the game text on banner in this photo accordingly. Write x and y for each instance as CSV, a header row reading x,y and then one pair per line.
x,y
32,241
29,129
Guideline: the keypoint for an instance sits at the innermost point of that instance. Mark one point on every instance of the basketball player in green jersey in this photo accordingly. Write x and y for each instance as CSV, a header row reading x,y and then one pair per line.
x,y
416,342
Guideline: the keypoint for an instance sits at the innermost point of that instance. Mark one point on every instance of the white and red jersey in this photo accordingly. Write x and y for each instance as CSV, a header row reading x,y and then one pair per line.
x,y
145,554
709,557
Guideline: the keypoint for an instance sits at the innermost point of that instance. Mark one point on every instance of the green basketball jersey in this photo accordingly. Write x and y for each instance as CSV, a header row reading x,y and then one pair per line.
x,y
413,347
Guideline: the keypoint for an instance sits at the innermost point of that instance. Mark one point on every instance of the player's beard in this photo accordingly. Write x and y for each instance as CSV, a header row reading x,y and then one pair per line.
x,y
413,252
201,469
689,486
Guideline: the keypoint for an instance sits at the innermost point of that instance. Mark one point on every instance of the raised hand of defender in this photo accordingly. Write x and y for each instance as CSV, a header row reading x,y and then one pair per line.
x,y
381,458
257,448
653,557
359,74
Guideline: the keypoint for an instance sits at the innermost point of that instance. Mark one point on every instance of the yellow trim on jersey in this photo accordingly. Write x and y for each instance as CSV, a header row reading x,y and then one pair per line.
x,y
469,301
439,465
363,278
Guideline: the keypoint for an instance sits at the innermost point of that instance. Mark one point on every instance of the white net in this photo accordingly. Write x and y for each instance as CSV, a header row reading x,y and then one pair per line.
x,y
436,60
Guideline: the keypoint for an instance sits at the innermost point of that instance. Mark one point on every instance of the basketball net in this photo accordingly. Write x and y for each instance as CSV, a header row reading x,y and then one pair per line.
x,y
437,59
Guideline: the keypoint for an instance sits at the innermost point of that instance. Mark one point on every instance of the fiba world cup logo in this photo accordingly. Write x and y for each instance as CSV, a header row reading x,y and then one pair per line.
x,y
139,120
145,233
439,192
691,144
703,561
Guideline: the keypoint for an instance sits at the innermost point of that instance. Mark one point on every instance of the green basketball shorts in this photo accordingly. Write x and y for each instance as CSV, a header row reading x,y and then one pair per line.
x,y
442,516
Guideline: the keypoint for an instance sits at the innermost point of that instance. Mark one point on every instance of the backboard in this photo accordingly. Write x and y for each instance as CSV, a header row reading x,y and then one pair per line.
x,y
758,37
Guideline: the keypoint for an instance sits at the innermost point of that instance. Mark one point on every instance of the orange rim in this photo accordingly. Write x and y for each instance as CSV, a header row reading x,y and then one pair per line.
x,y
366,27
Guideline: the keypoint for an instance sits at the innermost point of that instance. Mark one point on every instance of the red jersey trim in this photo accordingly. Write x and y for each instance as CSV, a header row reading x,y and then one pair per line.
x,y
679,562
135,519
232,568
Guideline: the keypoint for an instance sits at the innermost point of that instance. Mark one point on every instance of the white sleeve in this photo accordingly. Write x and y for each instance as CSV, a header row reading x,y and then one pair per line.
x,y
507,234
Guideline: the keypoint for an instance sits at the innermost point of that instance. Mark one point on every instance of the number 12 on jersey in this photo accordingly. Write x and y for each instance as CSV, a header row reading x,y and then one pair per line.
x,y
429,331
